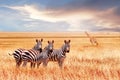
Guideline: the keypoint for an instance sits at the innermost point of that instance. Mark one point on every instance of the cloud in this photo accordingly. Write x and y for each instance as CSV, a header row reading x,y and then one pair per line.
x,y
9,19
116,29
46,26
45,15
13,2
33,13
70,15
21,21
108,18
101,13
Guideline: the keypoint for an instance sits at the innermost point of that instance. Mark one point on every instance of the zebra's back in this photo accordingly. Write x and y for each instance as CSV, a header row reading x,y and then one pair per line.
x,y
30,55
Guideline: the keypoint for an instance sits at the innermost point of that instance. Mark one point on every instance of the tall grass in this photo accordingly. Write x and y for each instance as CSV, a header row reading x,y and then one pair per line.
x,y
84,62
77,66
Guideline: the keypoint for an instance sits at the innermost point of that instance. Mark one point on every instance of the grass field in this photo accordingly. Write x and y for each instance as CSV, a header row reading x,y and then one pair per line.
x,y
84,62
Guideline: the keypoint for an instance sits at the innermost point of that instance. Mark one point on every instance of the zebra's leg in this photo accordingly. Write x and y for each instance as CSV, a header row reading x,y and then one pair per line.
x,y
19,63
45,62
38,64
16,60
32,65
24,63
60,62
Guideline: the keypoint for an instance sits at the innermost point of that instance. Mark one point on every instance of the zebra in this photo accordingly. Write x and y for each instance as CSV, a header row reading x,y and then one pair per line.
x,y
17,56
38,46
18,52
37,57
58,55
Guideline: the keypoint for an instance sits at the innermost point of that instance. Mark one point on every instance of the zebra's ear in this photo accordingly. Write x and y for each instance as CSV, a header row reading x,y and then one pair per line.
x,y
52,41
69,41
65,41
36,40
42,40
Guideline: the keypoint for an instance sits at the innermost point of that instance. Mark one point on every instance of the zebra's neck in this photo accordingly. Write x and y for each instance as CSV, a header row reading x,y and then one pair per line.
x,y
47,50
39,50
63,50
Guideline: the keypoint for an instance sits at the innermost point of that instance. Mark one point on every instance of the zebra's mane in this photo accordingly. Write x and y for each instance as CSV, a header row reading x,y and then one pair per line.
x,y
63,48
45,49
35,47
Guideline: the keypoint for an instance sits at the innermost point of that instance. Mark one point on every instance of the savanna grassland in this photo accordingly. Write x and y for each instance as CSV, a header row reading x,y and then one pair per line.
x,y
84,62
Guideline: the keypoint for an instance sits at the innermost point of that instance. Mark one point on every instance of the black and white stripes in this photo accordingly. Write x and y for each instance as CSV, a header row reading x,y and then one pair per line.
x,y
37,56
18,52
17,56
29,56
57,55
60,54
34,56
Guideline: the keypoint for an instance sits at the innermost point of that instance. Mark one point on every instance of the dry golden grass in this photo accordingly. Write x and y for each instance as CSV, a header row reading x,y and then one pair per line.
x,y
84,62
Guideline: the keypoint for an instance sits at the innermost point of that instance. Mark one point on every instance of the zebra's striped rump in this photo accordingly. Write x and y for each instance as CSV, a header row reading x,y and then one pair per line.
x,y
29,55
17,56
17,53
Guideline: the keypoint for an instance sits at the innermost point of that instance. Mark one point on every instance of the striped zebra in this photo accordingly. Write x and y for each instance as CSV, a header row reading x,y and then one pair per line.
x,y
17,56
37,57
17,53
58,55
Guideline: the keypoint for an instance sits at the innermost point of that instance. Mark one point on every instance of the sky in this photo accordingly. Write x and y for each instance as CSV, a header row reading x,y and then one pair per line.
x,y
59,15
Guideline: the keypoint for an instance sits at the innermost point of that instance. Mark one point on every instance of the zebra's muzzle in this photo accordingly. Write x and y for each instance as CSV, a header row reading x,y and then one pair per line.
x,y
51,50
40,50
67,51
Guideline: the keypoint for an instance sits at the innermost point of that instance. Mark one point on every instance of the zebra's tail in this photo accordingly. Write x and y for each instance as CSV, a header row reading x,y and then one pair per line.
x,y
10,54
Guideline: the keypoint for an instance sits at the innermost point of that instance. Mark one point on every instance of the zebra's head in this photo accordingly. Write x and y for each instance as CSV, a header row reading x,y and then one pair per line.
x,y
66,46
38,46
50,46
